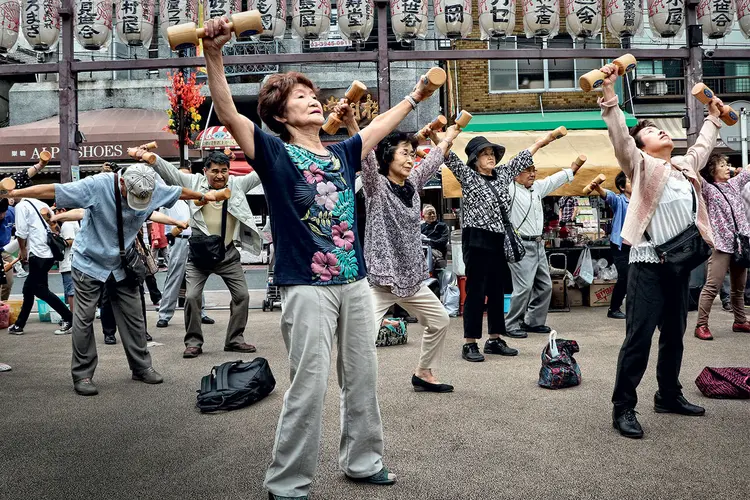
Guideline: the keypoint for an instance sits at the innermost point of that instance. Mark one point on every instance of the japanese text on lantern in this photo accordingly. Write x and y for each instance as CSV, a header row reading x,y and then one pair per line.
x,y
32,17
628,14
217,8
355,13
721,12
543,10
410,10
500,9
266,16
86,17
585,11
174,10
130,22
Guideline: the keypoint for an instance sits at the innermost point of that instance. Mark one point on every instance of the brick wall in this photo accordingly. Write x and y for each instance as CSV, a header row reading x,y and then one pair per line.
x,y
473,79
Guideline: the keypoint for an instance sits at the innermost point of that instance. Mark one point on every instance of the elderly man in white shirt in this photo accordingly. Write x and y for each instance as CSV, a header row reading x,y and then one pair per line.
x,y
532,285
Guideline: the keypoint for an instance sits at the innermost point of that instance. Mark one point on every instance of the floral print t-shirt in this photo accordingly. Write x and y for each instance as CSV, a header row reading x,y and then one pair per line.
x,y
312,210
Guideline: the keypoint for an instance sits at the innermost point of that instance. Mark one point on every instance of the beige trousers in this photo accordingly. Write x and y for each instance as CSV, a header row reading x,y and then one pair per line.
x,y
428,309
718,264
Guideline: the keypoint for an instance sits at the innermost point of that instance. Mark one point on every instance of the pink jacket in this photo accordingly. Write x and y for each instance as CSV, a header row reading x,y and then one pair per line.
x,y
649,175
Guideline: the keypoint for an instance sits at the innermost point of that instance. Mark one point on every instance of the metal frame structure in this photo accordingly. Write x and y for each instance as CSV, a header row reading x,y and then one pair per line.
x,y
68,68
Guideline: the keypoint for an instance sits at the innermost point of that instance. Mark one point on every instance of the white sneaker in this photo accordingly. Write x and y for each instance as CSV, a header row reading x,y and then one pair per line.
x,y
65,328
22,274
4,367
15,330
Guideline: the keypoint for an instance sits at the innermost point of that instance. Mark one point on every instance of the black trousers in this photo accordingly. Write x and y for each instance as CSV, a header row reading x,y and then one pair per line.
x,y
153,289
485,278
656,298
37,285
109,327
621,259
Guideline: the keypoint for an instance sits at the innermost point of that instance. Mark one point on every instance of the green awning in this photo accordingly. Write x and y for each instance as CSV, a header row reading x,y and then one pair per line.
x,y
572,120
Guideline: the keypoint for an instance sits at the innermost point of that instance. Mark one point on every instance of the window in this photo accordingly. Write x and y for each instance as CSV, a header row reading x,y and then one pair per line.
x,y
540,74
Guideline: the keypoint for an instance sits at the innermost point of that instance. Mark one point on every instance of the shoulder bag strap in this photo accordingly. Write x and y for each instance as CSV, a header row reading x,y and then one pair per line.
x,y
118,203
731,210
503,213
695,204
44,222
224,210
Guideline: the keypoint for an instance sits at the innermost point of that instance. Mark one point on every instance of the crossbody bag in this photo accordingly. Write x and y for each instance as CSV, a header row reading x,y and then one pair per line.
x,y
512,245
132,263
207,251
741,254
687,250
55,242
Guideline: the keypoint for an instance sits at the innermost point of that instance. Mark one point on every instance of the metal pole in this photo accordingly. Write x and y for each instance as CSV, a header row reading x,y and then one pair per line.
x,y
743,134
693,73
384,65
68,97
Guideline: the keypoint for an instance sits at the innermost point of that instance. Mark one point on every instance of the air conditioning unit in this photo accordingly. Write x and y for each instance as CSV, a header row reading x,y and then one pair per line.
x,y
651,85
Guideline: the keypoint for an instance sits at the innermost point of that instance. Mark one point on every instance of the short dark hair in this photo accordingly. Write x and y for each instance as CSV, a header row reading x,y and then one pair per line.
x,y
217,158
635,130
3,205
113,165
272,99
709,170
387,149
620,181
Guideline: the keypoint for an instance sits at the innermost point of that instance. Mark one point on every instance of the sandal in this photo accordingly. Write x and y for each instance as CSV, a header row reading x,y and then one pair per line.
x,y
383,478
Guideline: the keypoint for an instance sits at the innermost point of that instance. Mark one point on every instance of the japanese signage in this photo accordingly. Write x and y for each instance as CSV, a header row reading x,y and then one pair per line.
x,y
273,17
716,17
174,12
10,20
29,154
356,18
583,18
496,18
667,17
364,112
218,8
624,17
135,21
453,18
93,23
541,17
41,24
311,19
409,19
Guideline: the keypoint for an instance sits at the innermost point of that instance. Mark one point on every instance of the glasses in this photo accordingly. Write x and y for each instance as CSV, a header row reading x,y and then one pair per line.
x,y
405,153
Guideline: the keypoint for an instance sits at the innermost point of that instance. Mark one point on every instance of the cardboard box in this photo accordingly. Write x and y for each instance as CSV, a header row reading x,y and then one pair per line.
x,y
575,296
558,296
600,293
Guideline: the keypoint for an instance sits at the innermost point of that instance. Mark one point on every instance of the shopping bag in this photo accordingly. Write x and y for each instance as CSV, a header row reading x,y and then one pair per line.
x,y
392,332
559,367
584,273
729,383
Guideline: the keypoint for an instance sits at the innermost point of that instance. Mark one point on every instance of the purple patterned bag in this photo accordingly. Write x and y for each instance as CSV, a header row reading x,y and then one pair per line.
x,y
559,367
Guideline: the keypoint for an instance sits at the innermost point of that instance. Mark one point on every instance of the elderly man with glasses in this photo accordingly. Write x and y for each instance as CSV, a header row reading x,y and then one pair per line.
x,y
532,285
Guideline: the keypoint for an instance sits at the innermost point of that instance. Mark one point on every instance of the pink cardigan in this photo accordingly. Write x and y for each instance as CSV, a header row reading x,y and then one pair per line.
x,y
649,175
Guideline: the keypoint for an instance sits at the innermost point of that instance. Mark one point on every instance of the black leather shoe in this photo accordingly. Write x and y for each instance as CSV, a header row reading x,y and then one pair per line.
x,y
85,387
471,352
149,338
515,334
626,423
616,314
207,321
535,329
679,405
498,346
162,323
110,340
424,386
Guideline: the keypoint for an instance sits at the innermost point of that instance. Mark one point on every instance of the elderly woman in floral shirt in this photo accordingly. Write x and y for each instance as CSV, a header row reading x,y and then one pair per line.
x,y
727,214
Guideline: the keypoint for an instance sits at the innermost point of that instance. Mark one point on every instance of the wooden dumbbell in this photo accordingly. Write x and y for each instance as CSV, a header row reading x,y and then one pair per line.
x,y
431,81
704,94
597,181
420,153
463,119
581,160
150,146
595,78
9,265
559,132
221,195
176,231
353,94
7,185
149,158
184,36
437,124
44,158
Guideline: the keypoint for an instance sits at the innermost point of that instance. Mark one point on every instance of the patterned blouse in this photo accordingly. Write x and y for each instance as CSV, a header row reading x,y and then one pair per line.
x,y
481,208
720,212
393,240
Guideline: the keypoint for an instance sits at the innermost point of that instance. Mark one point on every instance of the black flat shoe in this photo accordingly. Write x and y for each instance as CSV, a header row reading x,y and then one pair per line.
x,y
424,386
515,334
679,405
626,423
535,329
616,314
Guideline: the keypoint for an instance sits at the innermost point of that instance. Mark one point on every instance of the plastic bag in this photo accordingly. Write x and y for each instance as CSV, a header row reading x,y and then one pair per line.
x,y
608,273
459,267
451,296
584,273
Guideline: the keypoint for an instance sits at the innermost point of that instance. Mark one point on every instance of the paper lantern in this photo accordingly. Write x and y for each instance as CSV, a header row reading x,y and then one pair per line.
x,y
583,18
743,16
409,19
356,19
174,12
666,17
311,19
453,18
10,23
93,23
135,22
624,17
41,24
716,17
496,18
273,17
541,18
219,8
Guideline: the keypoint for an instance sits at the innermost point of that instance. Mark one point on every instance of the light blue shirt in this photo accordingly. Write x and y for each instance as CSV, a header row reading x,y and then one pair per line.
x,y
97,252
619,205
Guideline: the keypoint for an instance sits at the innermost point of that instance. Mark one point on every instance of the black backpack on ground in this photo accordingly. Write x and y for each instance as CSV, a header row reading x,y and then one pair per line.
x,y
234,385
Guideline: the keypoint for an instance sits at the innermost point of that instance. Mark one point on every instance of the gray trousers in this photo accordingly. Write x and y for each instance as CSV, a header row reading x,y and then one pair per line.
x,y
231,272
178,256
532,288
312,318
126,306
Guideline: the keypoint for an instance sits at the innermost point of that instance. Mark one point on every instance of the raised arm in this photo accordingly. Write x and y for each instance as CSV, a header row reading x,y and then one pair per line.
x,y
72,215
433,161
41,191
697,154
241,128
628,155
458,168
167,220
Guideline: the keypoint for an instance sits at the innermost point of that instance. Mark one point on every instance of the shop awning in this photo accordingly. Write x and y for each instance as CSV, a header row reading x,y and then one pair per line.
x,y
595,144
108,133
572,120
